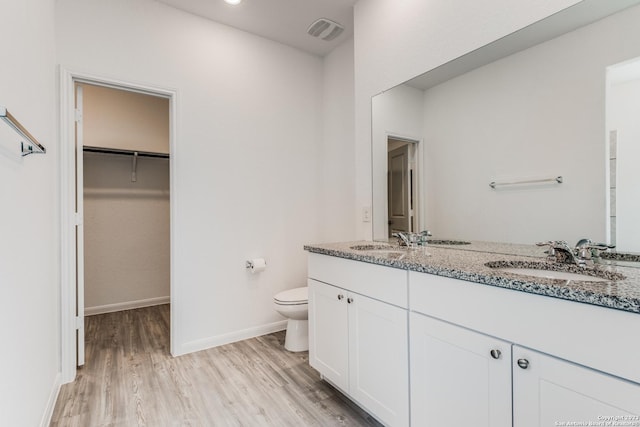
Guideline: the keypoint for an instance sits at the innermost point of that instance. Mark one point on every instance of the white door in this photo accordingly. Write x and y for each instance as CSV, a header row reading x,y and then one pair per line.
x,y
399,190
379,358
79,229
458,377
551,392
328,332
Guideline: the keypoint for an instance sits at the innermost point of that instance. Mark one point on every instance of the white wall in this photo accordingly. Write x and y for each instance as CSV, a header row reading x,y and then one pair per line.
x,y
395,41
338,154
247,174
29,297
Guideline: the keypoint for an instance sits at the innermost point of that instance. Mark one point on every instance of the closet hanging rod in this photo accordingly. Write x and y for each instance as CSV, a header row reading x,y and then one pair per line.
x,y
33,145
124,152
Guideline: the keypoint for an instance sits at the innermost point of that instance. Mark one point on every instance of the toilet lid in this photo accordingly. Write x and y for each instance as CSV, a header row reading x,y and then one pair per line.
x,y
293,296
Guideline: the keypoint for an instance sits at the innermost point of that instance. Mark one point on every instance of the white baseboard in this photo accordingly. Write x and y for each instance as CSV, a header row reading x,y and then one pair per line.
x,y
244,334
128,305
51,402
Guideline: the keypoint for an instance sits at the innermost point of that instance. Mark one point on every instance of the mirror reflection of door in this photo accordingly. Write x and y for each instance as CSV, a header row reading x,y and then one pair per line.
x,y
401,192
623,93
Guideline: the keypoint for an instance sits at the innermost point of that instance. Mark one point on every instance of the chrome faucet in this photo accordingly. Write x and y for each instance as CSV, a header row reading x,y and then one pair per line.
x,y
560,251
411,240
589,251
404,237
582,255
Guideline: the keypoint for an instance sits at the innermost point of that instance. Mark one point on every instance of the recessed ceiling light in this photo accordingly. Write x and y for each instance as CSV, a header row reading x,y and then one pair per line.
x,y
233,2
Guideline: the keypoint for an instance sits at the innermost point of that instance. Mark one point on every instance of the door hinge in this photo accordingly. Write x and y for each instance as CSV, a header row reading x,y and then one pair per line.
x,y
79,323
77,219
78,115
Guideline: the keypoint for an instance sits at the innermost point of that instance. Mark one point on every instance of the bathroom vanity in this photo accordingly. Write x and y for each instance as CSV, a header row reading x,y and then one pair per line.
x,y
437,337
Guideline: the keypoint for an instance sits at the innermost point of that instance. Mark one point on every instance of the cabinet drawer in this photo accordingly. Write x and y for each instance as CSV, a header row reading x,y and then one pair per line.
x,y
379,282
593,336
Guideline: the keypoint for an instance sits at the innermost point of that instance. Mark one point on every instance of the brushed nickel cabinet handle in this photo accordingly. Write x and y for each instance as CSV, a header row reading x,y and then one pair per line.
x,y
495,353
349,300
523,363
340,296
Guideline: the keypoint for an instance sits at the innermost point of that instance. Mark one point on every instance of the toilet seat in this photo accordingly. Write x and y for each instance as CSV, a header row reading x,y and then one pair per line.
x,y
296,296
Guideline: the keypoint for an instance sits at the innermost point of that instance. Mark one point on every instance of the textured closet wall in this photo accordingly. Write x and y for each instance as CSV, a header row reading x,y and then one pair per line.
x,y
126,223
125,120
126,232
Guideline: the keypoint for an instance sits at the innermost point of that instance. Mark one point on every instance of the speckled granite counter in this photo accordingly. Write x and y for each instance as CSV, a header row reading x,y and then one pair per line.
x,y
622,292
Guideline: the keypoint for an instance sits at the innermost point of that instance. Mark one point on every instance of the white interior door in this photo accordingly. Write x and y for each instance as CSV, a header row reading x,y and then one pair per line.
x,y
399,190
79,229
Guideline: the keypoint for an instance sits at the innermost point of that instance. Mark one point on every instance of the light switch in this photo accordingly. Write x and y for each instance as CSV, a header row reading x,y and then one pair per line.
x,y
366,214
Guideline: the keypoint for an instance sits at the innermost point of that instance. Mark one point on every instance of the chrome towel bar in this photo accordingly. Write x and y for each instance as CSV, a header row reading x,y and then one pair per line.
x,y
557,179
33,145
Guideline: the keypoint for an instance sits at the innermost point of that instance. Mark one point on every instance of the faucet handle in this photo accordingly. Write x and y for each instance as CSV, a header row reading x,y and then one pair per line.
x,y
426,233
597,248
402,238
551,249
587,249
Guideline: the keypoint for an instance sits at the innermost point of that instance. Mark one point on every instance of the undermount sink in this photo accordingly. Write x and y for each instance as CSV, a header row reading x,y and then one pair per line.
x,y
380,249
552,274
553,271
376,247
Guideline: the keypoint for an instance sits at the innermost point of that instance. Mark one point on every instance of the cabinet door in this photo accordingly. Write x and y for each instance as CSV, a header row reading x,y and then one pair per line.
x,y
552,392
458,377
379,360
328,332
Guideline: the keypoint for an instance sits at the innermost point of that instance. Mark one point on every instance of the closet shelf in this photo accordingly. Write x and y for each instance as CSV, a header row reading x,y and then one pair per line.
x,y
33,146
124,152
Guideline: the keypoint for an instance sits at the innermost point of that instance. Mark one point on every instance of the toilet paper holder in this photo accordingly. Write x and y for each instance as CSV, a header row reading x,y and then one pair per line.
x,y
255,265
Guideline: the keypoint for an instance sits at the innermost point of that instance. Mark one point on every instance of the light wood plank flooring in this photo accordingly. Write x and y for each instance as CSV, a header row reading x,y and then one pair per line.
x,y
130,379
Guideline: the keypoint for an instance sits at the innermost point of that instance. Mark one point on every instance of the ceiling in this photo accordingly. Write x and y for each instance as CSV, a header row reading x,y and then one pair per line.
x,y
284,21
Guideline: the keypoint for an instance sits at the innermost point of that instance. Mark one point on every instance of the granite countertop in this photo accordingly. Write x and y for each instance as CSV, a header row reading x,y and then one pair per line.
x,y
473,263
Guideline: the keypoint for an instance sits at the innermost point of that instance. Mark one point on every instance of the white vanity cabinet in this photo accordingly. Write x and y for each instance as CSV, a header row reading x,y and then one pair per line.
x,y
548,391
458,377
358,333
581,371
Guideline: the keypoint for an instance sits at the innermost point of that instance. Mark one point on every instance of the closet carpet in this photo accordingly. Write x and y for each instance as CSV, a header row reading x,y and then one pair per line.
x,y
130,379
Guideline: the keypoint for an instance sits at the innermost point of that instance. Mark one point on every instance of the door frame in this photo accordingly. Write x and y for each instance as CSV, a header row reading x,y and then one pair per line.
x,y
67,193
418,158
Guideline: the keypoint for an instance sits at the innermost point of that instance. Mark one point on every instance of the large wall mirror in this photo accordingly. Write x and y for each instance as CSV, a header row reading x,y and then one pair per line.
x,y
549,115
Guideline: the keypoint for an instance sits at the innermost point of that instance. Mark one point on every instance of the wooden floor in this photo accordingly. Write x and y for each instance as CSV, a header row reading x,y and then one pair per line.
x,y
130,379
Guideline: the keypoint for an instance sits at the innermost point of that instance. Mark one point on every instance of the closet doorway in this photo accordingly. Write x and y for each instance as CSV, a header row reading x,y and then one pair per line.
x,y
117,172
124,181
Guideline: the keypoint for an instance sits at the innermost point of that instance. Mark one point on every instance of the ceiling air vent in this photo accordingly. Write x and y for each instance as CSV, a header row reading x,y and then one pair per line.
x,y
326,29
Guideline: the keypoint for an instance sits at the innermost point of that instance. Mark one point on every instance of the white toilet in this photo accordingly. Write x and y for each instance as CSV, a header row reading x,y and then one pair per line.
x,y
294,305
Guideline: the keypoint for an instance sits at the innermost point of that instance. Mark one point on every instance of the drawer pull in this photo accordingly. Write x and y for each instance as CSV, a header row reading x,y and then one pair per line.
x,y
495,353
523,363
349,300
340,296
